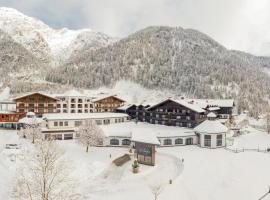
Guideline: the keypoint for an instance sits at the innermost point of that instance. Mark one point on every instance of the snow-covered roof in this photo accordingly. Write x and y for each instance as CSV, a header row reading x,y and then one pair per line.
x,y
211,115
30,114
99,97
31,121
149,138
125,107
211,127
40,93
203,103
161,131
185,104
213,108
72,93
74,116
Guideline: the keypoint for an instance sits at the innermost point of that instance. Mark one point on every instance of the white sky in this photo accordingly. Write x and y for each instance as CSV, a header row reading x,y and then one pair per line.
x,y
237,24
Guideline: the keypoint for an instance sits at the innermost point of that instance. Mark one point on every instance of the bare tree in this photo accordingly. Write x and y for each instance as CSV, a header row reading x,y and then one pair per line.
x,y
33,132
90,134
44,174
156,190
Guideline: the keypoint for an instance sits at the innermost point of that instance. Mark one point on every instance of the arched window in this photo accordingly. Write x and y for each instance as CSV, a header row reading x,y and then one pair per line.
x,y
126,142
114,142
189,141
167,142
179,141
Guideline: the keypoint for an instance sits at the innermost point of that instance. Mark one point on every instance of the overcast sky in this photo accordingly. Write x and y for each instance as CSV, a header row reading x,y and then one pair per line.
x,y
237,24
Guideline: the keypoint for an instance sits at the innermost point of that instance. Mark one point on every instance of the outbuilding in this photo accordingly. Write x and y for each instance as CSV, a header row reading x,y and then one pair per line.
x,y
145,147
211,133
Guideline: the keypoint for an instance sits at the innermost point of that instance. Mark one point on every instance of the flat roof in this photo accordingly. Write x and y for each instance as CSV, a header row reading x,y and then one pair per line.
x,y
78,116
127,128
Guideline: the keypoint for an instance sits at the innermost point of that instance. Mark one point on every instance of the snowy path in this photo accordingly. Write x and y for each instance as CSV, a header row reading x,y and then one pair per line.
x,y
114,178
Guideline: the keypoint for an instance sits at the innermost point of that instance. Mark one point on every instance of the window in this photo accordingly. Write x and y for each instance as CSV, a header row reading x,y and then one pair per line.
x,y
50,105
72,111
126,142
58,105
21,110
78,123
66,123
68,136
189,141
86,105
79,111
64,111
60,123
207,140
114,142
55,123
219,140
106,121
99,122
179,141
167,142
86,111
189,125
64,105
188,117
31,105
115,120
21,105
50,110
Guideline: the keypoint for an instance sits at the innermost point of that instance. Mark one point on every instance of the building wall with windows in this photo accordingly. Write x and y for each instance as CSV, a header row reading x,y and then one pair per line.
x,y
36,102
169,113
75,104
215,140
107,104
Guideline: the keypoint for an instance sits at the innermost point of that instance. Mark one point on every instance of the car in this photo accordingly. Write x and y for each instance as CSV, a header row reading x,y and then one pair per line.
x,y
13,146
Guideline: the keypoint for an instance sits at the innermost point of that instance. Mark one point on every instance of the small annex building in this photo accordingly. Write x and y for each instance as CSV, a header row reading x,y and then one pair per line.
x,y
211,133
145,147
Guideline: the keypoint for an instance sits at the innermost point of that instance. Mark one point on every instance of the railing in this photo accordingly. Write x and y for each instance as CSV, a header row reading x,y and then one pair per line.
x,y
239,150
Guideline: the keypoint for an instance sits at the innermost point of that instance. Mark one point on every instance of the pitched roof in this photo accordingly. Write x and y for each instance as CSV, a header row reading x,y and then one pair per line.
x,y
211,127
29,94
212,115
183,103
104,96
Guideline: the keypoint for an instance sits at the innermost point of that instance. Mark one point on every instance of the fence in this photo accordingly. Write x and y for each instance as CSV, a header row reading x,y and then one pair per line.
x,y
239,150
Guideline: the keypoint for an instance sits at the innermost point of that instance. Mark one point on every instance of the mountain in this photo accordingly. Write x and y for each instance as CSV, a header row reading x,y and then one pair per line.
x,y
183,60
49,45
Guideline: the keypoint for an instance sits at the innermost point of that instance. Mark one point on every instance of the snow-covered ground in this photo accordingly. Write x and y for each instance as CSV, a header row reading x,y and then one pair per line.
x,y
206,174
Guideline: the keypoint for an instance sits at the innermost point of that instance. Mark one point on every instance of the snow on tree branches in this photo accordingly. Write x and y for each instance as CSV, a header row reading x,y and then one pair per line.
x,y
44,174
90,134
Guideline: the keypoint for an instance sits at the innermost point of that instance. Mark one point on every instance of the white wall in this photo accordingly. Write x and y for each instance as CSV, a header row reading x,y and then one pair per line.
x,y
213,140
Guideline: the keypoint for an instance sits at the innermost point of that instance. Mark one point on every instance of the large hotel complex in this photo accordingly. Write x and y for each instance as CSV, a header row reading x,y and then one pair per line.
x,y
171,121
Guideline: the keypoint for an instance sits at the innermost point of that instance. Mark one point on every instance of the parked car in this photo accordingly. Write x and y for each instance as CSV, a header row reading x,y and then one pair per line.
x,y
13,146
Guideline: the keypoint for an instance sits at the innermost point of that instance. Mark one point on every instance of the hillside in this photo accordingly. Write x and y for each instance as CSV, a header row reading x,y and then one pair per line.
x,y
183,60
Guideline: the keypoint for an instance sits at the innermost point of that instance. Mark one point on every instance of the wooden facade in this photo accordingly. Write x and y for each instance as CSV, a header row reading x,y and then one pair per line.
x,y
11,117
37,103
108,104
145,153
169,112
